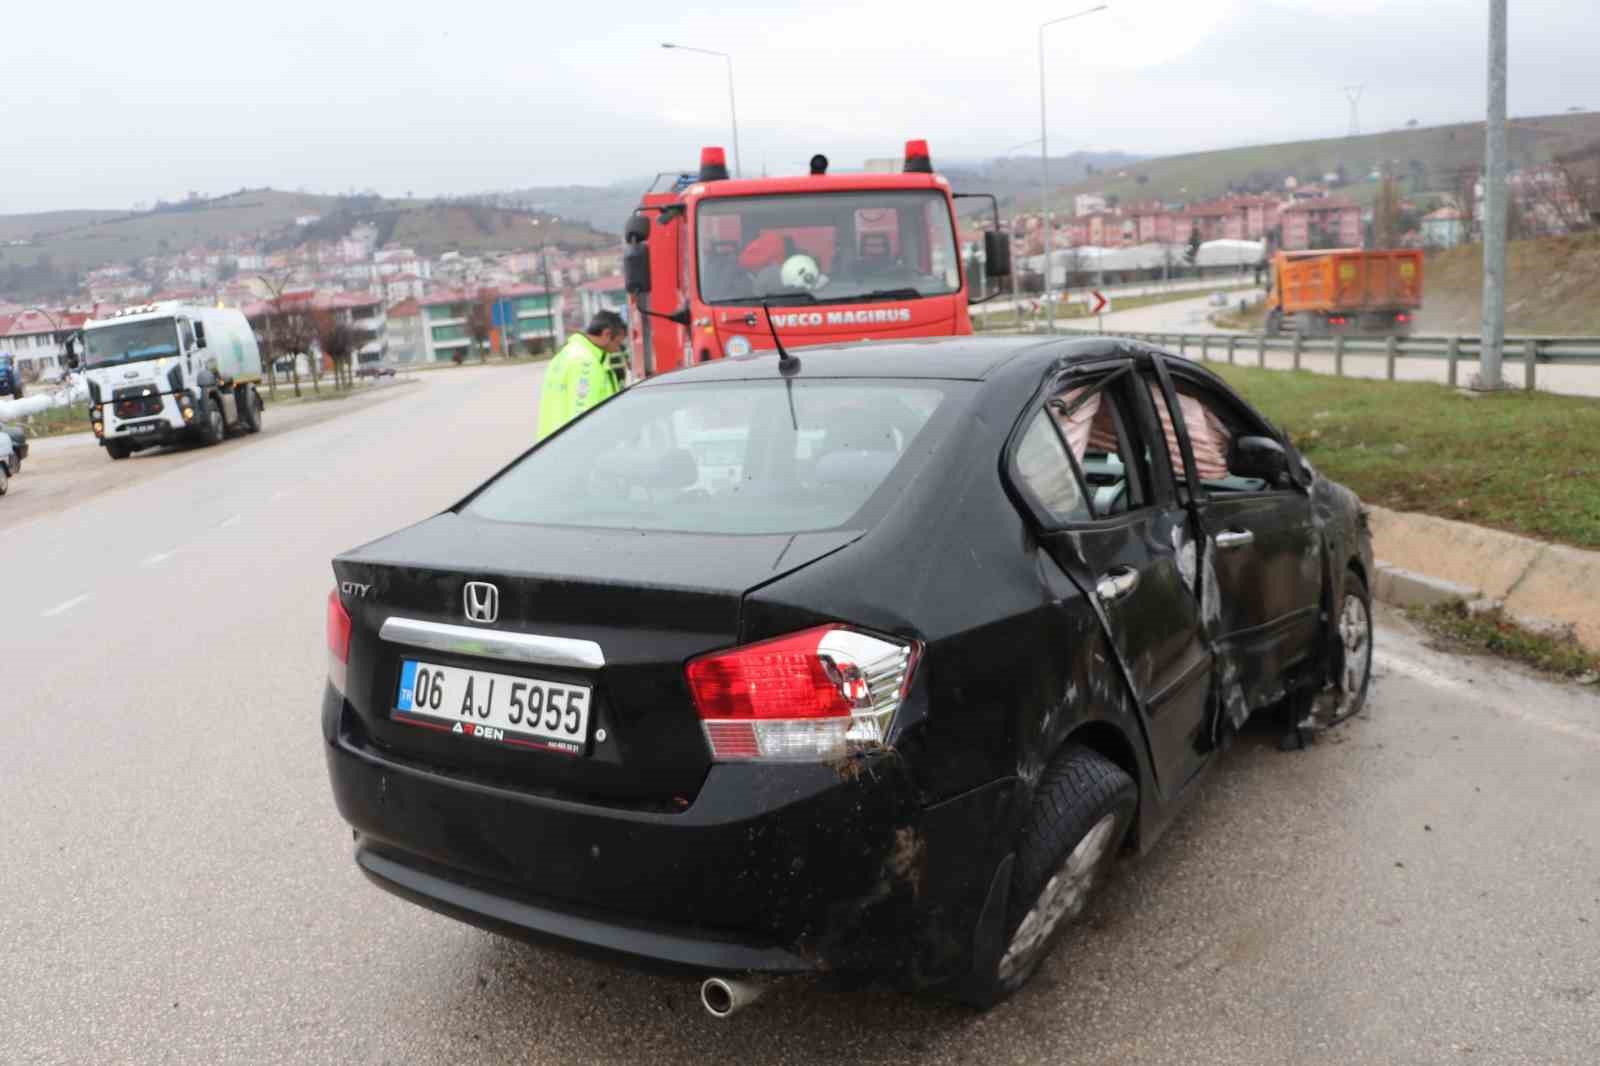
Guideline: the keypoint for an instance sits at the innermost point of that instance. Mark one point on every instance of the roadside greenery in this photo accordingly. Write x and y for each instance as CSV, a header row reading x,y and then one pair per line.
x,y
1526,463
56,421
1493,632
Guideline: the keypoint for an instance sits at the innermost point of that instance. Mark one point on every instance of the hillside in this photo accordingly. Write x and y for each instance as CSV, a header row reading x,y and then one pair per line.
x,y
31,227
1430,158
1011,178
1552,286
63,244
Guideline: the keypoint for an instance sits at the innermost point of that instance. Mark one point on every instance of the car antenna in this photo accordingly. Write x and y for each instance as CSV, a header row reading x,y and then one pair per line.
x,y
788,365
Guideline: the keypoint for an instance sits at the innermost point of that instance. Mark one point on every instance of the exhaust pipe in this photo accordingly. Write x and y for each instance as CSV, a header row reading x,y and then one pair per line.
x,y
722,996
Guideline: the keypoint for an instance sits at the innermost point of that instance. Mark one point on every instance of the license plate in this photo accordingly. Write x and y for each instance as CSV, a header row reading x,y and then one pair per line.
x,y
143,427
524,712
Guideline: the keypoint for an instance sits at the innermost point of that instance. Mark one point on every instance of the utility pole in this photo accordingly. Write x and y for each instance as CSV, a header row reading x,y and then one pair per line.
x,y
1044,161
1494,208
1353,93
549,297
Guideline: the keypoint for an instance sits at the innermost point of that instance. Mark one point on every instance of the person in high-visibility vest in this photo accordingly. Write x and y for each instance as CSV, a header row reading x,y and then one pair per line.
x,y
580,376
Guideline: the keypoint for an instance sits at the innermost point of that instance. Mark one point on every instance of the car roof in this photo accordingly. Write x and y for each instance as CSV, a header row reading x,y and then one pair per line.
x,y
952,358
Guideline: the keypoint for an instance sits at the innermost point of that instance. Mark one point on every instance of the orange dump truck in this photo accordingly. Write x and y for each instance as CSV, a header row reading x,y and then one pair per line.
x,y
1344,290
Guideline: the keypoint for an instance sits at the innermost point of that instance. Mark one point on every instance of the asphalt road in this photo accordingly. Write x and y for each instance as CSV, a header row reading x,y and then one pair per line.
x,y
1422,886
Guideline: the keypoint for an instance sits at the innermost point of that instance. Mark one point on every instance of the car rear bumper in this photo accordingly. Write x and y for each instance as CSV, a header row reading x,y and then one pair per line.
x,y
501,910
773,868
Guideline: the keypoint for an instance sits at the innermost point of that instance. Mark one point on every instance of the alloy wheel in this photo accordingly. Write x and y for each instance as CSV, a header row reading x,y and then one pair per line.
x,y
1355,636
1064,896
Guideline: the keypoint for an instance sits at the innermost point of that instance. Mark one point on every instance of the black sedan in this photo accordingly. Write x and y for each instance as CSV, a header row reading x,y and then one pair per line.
x,y
871,661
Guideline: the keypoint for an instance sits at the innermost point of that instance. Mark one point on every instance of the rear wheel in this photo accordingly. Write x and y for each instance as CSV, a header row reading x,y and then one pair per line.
x,y
118,449
1274,323
1082,809
249,409
5,480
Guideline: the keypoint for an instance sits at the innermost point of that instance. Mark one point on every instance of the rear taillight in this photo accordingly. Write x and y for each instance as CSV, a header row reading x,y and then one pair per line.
x,y
818,694
338,640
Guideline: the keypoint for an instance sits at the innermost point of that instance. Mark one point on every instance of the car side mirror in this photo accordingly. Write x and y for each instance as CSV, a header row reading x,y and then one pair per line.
x,y
636,269
1259,457
997,254
72,353
199,334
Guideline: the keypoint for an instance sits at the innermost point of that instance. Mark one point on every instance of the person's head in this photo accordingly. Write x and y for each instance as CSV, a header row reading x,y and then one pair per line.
x,y
608,331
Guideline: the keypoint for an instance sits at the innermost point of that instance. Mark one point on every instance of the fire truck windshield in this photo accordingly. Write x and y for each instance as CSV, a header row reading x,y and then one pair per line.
x,y
826,247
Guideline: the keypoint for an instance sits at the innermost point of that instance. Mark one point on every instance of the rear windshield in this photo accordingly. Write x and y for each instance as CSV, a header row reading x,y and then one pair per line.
x,y
735,457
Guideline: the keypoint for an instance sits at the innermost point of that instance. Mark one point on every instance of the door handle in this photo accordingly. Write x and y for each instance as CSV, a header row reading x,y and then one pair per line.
x,y
1116,584
1236,538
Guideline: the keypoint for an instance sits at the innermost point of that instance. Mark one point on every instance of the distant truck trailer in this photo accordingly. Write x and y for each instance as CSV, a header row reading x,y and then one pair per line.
x,y
1344,290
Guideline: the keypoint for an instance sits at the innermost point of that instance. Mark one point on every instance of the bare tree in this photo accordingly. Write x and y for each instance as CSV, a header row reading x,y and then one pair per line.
x,y
273,331
298,335
339,341
480,322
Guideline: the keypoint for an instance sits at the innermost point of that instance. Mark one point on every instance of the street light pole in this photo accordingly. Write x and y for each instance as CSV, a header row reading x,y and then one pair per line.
x,y
733,108
1494,207
1044,161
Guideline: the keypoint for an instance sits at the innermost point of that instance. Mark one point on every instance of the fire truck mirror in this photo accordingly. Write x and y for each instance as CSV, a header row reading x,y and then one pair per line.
x,y
637,230
997,254
636,268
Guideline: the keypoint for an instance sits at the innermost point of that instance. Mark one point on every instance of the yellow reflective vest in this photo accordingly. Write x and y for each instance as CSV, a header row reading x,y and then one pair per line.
x,y
578,378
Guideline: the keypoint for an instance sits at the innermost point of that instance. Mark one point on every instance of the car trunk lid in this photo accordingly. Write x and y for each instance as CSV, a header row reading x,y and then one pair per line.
x,y
563,593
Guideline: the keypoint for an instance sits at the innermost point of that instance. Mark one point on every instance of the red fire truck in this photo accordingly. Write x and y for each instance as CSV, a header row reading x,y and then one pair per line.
x,y
831,257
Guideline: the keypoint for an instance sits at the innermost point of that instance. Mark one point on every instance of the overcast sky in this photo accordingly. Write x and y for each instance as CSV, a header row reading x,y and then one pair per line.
x,y
108,104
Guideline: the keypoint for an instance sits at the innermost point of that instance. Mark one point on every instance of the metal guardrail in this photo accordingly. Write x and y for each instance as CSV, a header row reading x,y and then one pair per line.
x,y
1531,352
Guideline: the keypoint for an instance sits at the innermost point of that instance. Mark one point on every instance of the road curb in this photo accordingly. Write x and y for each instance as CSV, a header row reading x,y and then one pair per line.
x,y
1423,560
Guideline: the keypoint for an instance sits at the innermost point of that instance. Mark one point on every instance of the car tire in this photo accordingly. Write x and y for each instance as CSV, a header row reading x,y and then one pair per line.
x,y
249,410
214,427
1082,809
5,480
1353,652
118,449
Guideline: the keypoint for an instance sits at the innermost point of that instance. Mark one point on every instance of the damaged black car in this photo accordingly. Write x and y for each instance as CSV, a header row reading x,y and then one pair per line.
x,y
868,660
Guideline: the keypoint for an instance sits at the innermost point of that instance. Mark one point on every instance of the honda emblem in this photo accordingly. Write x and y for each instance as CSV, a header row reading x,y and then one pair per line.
x,y
482,601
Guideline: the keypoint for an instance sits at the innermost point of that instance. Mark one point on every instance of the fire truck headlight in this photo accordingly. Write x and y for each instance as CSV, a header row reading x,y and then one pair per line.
x,y
738,345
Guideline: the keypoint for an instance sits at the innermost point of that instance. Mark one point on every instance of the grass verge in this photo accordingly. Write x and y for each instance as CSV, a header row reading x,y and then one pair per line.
x,y
1494,633
56,421
286,396
1526,463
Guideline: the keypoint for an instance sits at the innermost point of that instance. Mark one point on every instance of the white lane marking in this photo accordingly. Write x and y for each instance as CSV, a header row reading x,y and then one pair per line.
x,y
280,494
62,608
159,557
231,520
1506,708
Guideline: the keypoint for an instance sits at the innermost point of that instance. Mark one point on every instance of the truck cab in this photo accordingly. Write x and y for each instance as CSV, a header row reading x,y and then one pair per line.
x,y
715,264
10,377
162,373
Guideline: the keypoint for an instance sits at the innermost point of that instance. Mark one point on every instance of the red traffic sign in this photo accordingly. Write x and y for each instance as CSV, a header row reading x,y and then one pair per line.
x,y
1099,303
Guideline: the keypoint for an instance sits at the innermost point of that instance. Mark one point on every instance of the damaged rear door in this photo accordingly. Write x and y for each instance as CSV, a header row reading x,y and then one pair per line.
x,y
1261,561
1120,533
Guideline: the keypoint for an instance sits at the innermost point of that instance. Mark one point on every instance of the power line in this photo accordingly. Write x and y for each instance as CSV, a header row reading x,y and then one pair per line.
x,y
1353,93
